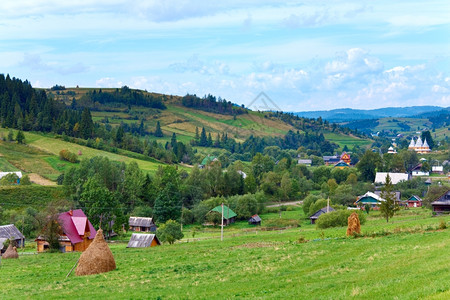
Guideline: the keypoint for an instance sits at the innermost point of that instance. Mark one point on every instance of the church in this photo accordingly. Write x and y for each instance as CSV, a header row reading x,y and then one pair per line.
x,y
419,146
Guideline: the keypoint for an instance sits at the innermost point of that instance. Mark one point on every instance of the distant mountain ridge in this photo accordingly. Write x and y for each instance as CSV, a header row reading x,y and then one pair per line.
x,y
349,114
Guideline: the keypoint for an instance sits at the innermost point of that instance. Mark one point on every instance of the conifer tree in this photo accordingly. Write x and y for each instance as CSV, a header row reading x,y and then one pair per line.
x,y
389,206
158,131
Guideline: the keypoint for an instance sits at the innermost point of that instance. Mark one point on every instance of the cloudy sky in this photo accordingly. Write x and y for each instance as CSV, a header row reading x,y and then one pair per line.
x,y
304,55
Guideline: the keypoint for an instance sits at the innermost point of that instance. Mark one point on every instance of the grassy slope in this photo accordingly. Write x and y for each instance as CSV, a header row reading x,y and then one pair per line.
x,y
40,155
264,265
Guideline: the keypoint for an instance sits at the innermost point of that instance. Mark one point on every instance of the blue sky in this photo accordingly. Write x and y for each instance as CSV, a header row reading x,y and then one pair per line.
x,y
304,55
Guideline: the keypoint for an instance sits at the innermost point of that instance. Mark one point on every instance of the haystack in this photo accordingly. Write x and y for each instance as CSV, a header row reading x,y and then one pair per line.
x,y
97,258
11,252
353,224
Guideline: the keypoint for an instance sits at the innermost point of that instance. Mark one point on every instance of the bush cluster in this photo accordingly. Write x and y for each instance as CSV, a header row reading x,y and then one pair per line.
x,y
338,218
68,156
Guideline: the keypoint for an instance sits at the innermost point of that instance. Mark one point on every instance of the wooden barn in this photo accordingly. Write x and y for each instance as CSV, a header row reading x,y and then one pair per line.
x,y
442,204
143,240
140,224
229,216
8,232
414,201
254,220
320,212
77,235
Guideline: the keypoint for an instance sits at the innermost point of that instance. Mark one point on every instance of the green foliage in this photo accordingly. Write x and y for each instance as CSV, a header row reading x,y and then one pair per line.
x,y
25,180
158,132
187,216
9,179
169,232
368,165
281,223
434,192
367,208
338,218
389,206
318,204
442,225
20,137
307,202
68,156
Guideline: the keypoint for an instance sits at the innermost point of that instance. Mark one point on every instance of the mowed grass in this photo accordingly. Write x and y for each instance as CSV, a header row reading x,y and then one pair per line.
x,y
345,140
267,265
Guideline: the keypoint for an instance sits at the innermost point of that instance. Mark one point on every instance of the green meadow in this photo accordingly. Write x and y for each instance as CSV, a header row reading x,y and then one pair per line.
x,y
394,264
346,140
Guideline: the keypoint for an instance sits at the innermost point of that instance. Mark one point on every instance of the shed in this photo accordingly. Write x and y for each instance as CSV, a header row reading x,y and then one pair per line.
x,y
321,211
442,204
77,232
141,224
414,201
143,240
10,231
229,216
254,220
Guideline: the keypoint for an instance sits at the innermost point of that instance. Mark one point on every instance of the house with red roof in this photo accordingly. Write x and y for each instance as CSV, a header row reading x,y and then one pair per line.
x,y
77,232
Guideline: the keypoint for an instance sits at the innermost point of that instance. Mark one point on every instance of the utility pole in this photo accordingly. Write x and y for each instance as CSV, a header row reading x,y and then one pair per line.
x,y
221,230
328,205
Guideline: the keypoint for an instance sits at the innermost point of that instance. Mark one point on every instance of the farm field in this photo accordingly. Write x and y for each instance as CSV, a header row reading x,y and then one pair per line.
x,y
267,265
349,141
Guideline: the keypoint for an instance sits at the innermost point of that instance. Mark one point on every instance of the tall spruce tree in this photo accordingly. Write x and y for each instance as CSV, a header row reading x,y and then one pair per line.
x,y
158,131
389,206
203,140
86,124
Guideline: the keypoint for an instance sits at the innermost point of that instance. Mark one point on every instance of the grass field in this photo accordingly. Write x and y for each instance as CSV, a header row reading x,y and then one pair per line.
x,y
267,265
349,141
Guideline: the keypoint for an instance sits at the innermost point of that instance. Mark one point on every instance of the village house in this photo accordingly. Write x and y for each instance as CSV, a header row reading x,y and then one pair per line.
x,y
331,160
77,232
341,165
345,157
442,204
306,162
10,232
143,240
320,212
372,199
18,174
141,224
417,171
414,201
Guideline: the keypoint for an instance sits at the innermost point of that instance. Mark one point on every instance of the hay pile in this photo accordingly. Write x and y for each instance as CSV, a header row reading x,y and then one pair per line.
x,y
11,252
353,224
97,258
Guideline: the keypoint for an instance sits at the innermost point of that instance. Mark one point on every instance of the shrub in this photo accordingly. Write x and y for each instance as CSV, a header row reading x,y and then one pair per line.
x,y
170,232
309,200
187,216
25,180
442,224
68,156
338,218
321,203
9,179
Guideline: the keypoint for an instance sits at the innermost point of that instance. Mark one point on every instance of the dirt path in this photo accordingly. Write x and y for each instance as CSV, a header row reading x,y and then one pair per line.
x,y
286,203
38,179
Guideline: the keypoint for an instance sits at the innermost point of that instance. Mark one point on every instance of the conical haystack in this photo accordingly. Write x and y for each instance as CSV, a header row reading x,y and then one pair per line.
x,y
97,258
11,252
353,224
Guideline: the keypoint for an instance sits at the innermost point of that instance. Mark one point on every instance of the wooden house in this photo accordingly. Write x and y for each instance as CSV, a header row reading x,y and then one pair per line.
x,y
8,232
77,232
369,198
140,224
255,220
414,201
229,216
442,204
320,212
143,240
342,165
417,171
18,174
346,158
331,160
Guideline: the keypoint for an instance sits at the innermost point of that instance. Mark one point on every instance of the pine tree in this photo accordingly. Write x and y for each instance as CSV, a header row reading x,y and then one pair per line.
x,y
86,124
20,137
158,131
389,206
203,139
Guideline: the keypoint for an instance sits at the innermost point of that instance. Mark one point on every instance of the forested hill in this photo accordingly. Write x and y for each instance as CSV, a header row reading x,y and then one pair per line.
x,y
169,128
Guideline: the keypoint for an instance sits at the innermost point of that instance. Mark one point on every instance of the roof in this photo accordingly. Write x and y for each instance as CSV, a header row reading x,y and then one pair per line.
x,y
3,174
255,218
331,158
141,222
415,198
341,163
142,240
208,159
227,212
398,194
370,195
9,231
380,177
74,225
305,161
443,200
321,211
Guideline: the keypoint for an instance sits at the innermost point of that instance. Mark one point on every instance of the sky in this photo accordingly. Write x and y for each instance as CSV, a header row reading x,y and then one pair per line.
x,y
301,55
